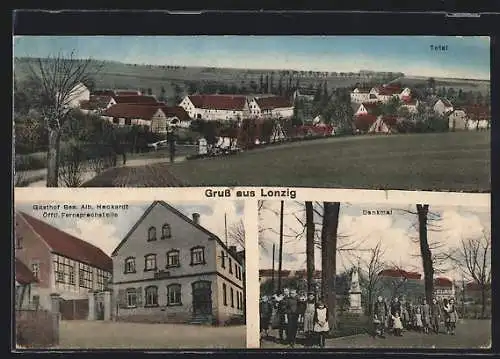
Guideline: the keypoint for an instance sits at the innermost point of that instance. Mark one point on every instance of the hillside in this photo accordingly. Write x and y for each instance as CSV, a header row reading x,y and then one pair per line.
x,y
119,75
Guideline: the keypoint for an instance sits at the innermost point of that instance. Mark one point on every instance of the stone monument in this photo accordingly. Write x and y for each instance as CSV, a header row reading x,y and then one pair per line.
x,y
202,146
355,293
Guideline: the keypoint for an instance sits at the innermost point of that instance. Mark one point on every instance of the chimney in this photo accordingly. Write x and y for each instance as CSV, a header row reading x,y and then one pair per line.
x,y
196,218
232,249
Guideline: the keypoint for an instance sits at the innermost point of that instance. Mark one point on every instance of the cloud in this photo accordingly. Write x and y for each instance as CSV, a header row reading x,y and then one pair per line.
x,y
215,222
100,234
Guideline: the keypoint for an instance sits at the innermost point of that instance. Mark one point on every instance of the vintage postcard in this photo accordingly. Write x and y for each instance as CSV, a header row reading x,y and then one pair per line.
x,y
375,275
365,112
141,274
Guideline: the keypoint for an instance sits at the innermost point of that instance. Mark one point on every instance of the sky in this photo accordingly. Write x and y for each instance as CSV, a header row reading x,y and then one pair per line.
x,y
396,233
466,57
107,233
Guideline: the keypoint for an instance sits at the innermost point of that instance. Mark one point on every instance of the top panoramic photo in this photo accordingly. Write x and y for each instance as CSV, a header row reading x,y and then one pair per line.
x,y
367,112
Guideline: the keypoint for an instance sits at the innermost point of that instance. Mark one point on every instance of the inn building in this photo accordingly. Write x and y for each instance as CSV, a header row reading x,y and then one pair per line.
x,y
61,265
169,268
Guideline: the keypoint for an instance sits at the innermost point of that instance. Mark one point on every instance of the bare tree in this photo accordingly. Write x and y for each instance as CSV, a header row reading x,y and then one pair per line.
x,y
73,167
60,78
237,233
310,231
28,129
329,230
425,251
373,266
473,257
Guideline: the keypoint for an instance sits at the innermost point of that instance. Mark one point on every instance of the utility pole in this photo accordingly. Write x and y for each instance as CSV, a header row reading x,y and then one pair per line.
x,y
272,275
280,254
225,228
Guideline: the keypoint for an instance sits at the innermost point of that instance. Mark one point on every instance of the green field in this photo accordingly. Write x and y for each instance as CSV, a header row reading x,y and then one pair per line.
x,y
458,161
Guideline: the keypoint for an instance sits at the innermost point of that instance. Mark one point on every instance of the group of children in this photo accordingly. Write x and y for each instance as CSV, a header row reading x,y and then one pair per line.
x,y
424,317
291,313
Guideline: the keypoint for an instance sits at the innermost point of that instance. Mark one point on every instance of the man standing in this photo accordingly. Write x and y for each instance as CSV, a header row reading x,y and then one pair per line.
x,y
435,314
292,313
426,316
282,317
379,316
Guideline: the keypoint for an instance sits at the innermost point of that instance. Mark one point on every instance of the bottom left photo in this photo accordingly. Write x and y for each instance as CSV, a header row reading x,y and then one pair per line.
x,y
136,275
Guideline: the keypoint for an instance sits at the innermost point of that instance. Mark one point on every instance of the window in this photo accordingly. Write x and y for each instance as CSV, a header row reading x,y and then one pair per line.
x,y
150,262
197,256
35,268
230,266
129,265
232,297
131,295
86,276
71,276
19,241
151,234
174,294
64,270
151,296
224,293
166,232
173,259
222,259
237,300
102,278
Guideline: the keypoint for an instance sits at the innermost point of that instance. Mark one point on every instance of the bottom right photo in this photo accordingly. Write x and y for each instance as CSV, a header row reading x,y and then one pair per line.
x,y
348,275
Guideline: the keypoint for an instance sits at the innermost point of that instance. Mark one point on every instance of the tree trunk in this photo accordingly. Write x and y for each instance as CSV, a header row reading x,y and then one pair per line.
x,y
310,245
328,258
53,158
483,301
280,249
425,251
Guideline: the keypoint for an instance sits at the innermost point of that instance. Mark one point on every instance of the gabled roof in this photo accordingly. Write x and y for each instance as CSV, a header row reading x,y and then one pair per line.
x,y
23,274
135,99
370,106
219,102
132,111
69,246
127,93
96,102
272,102
399,273
364,122
177,111
443,282
178,213
478,112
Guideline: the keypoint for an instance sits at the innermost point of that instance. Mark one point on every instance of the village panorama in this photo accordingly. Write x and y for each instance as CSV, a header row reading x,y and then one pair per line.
x,y
139,125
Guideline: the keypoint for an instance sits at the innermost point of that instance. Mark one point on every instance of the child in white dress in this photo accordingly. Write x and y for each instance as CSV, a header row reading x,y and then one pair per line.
x,y
418,319
321,322
397,325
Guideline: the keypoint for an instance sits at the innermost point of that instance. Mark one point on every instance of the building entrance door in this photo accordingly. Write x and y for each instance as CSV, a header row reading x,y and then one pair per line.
x,y
202,298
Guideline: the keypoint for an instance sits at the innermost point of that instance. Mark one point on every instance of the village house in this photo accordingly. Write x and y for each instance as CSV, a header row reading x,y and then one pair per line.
x,y
386,92
169,268
444,288
271,107
62,265
25,279
366,108
97,104
127,114
443,107
384,124
411,105
360,95
475,117
216,107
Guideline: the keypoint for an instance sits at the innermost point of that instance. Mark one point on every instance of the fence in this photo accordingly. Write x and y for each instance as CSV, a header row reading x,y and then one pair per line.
x,y
36,328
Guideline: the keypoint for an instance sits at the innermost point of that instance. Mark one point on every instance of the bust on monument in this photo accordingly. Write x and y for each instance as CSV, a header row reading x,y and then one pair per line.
x,y
355,292
354,288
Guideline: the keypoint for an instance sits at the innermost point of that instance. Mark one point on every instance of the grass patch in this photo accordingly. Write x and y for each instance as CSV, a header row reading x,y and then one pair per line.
x,y
458,161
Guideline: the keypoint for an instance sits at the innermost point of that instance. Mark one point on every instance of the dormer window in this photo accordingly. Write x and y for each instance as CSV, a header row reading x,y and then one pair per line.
x,y
151,234
166,231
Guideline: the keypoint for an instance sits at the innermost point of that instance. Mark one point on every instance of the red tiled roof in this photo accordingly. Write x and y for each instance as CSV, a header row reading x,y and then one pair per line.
x,y
176,111
364,122
135,99
219,102
69,246
23,274
132,111
370,106
409,101
478,112
127,93
442,282
272,102
103,93
96,102
399,273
